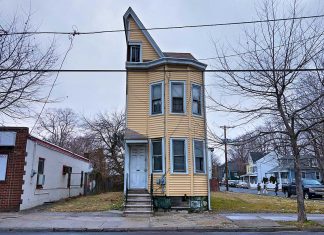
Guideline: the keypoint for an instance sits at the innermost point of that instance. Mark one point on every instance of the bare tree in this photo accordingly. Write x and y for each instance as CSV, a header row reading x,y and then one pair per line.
x,y
108,132
19,90
58,126
275,54
314,137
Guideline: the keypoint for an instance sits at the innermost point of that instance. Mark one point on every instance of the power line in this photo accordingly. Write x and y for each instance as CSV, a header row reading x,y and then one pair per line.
x,y
75,32
53,84
258,50
157,71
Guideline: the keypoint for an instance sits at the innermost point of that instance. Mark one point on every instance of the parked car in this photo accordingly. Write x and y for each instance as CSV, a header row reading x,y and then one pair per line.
x,y
233,183
242,184
311,188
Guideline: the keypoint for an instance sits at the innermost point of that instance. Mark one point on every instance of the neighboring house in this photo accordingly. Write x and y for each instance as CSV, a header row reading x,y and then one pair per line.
x,y
251,175
166,121
266,163
33,171
285,171
233,171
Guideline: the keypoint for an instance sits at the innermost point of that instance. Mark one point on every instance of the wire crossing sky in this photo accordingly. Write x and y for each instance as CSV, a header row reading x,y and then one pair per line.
x,y
75,32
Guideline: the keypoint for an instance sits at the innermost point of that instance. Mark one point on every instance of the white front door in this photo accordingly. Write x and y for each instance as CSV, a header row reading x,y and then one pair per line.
x,y
138,167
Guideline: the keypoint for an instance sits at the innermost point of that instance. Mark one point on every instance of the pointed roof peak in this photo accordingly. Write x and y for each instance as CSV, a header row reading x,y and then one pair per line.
x,y
130,12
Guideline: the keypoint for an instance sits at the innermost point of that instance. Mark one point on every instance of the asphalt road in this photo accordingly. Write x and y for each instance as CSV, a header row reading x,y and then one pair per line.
x,y
158,233
251,191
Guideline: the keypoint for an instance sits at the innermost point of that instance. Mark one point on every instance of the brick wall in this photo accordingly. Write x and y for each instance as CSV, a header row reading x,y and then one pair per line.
x,y
11,188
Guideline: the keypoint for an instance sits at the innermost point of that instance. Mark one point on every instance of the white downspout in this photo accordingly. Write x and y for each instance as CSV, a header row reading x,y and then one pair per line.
x,y
206,146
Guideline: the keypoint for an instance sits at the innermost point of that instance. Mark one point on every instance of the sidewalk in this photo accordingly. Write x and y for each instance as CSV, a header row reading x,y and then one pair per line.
x,y
172,221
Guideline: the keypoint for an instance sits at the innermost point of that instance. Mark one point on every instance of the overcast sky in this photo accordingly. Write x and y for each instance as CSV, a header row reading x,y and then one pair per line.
x,y
90,93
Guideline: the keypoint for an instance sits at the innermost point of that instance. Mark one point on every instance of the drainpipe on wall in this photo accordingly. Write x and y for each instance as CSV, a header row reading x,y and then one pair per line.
x,y
206,146
33,172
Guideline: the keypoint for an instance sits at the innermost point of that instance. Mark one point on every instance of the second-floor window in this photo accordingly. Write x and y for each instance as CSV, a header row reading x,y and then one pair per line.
x,y
178,97
196,99
157,98
134,53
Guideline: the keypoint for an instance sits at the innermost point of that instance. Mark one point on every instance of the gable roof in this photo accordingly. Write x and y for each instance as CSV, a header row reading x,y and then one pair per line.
x,y
165,57
56,148
257,155
131,13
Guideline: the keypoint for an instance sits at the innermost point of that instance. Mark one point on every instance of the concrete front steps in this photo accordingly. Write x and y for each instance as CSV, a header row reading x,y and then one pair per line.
x,y
138,203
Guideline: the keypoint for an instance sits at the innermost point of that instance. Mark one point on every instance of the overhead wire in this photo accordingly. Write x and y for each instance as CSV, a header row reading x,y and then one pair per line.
x,y
76,32
159,71
53,84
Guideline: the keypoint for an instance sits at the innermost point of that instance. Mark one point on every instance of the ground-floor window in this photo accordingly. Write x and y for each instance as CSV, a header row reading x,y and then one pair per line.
x,y
157,155
317,175
3,166
178,155
199,156
40,173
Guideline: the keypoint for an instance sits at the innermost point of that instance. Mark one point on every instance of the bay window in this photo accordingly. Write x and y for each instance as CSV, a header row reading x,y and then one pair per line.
x,y
156,102
196,99
199,156
179,158
157,155
178,104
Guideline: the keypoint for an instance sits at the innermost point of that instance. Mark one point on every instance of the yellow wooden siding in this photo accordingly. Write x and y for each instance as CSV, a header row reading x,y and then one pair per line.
x,y
179,185
137,102
148,52
200,185
167,126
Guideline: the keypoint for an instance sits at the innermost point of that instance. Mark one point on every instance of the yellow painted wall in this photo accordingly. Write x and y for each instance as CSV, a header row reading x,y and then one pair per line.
x,y
167,126
137,35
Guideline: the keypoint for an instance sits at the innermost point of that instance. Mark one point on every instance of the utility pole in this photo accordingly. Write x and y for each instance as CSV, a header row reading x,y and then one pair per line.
x,y
226,162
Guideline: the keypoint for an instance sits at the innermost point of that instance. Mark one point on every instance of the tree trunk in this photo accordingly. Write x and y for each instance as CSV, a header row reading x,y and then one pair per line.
x,y
299,188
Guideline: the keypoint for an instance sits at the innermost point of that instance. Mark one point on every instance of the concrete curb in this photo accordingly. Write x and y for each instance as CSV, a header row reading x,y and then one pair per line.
x,y
170,229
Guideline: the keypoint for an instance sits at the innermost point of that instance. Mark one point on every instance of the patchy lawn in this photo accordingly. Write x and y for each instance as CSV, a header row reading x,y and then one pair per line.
x,y
248,203
92,203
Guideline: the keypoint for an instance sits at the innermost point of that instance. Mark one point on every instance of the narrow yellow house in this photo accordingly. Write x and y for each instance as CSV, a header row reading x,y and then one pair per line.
x,y
166,162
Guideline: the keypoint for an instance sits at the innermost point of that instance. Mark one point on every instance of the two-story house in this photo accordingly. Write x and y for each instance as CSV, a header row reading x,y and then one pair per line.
x,y
165,142
285,171
254,168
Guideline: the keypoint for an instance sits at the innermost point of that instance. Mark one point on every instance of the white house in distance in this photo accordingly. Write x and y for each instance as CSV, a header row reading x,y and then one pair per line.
x,y
259,164
33,171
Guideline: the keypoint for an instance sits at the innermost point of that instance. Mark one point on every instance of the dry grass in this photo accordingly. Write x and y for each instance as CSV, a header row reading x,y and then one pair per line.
x,y
249,203
100,202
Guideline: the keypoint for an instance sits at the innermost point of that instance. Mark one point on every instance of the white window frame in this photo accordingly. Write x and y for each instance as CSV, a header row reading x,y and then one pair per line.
x,y
201,100
3,174
151,158
150,98
130,51
184,96
185,152
194,156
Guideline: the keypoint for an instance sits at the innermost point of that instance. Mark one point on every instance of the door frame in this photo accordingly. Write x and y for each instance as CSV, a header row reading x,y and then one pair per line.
x,y
145,160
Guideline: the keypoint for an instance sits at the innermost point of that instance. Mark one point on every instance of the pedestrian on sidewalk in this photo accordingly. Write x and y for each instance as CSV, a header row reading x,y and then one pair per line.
x,y
276,188
259,188
265,188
